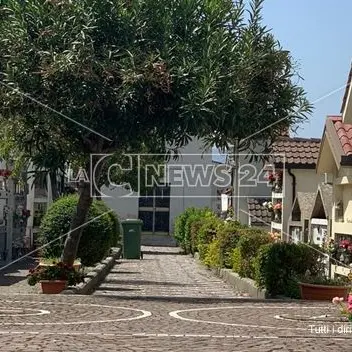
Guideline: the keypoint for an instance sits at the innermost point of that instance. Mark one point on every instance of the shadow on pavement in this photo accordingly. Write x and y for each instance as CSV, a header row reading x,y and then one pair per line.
x,y
182,299
124,272
16,272
144,282
119,289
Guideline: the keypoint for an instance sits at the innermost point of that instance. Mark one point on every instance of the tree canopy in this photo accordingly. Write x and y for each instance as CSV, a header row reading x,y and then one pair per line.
x,y
92,76
152,71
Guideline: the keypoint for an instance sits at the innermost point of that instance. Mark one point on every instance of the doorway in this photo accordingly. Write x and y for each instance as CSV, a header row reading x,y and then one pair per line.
x,y
154,211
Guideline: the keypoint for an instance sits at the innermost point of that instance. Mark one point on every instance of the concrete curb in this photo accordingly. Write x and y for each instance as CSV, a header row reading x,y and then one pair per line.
x,y
241,284
96,276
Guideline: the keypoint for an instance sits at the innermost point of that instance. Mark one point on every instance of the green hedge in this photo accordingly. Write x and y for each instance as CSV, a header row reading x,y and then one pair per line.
x,y
225,241
228,236
97,237
247,248
251,252
183,227
207,234
278,267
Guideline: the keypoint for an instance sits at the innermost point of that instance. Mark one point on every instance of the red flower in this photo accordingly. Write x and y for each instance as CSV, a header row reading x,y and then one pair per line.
x,y
345,244
5,173
270,177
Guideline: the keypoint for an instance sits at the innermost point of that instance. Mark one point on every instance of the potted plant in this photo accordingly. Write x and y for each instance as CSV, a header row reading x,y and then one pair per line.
x,y
54,278
322,288
345,308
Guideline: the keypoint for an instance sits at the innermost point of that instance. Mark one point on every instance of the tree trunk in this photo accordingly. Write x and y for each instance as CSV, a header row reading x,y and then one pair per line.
x,y
54,188
72,241
97,195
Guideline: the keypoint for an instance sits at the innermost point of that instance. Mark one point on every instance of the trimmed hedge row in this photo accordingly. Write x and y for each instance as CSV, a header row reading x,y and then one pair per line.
x,y
97,237
248,251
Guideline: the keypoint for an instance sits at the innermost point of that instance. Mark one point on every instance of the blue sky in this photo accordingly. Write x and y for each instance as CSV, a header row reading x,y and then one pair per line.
x,y
318,34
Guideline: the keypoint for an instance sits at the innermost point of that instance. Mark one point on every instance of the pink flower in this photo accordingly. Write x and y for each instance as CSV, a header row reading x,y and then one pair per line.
x,y
337,300
349,299
277,206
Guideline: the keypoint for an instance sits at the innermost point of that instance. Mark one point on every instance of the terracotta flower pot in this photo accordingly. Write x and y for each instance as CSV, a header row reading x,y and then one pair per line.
x,y
53,286
322,292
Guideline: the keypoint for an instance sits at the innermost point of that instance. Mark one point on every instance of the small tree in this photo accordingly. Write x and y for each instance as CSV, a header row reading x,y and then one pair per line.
x,y
131,75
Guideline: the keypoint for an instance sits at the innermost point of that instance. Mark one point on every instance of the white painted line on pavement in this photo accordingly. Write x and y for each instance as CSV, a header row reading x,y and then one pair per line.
x,y
143,314
16,312
116,336
176,314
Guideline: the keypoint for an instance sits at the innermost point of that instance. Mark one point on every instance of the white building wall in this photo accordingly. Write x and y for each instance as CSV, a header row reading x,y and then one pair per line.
x,y
187,190
121,201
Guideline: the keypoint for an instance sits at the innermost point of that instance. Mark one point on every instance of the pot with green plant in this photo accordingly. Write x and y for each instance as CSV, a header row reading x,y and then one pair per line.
x,y
54,278
322,288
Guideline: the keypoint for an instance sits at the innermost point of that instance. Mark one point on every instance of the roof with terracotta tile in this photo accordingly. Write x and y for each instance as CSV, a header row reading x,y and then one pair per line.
x,y
344,133
260,215
296,152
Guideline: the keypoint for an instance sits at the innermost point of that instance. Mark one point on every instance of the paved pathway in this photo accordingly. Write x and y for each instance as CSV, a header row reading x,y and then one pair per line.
x,y
13,278
107,321
162,273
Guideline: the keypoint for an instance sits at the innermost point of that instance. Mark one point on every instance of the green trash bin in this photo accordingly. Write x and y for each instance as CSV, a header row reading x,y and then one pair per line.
x,y
132,229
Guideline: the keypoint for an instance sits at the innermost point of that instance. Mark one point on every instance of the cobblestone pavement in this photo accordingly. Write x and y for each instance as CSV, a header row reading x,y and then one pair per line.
x,y
13,278
162,273
171,323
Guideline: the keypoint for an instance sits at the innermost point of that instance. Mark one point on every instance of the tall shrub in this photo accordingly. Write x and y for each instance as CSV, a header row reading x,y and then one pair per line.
x,y
228,236
183,226
247,249
278,267
207,233
98,235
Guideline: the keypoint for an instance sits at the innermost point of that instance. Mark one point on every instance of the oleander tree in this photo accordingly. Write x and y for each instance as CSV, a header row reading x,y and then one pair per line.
x,y
115,76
